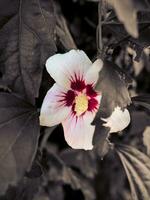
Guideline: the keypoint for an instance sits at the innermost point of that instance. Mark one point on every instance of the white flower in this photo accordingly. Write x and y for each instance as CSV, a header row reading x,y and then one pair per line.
x,y
72,100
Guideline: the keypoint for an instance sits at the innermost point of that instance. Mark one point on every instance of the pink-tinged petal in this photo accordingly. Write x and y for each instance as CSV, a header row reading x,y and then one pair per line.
x,y
79,131
118,120
92,74
54,110
63,67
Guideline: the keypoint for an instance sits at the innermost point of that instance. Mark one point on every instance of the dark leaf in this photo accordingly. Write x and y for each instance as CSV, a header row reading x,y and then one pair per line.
x,y
113,86
8,10
139,120
100,138
146,139
127,13
19,133
28,189
26,41
143,40
36,168
122,37
85,161
25,190
137,167
60,173
41,195
48,132
53,191
62,30
142,100
133,135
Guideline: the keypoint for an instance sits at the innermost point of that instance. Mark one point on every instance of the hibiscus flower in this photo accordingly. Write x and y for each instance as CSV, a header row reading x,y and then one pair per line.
x,y
73,101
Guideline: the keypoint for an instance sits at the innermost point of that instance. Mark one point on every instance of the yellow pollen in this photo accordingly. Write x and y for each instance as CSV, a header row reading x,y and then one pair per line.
x,y
81,104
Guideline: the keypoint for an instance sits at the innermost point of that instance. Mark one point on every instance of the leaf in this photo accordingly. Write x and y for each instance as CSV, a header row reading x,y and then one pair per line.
x,y
121,37
54,191
59,172
36,170
8,10
83,161
48,132
143,40
62,30
19,133
137,167
25,190
146,139
26,41
113,85
127,13
139,120
100,139
142,100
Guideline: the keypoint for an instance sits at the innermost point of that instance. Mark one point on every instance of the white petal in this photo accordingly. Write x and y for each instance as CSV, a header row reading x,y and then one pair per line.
x,y
62,66
118,120
53,111
92,74
79,133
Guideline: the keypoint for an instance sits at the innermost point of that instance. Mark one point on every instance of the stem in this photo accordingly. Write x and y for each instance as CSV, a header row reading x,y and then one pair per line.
x,y
99,30
48,132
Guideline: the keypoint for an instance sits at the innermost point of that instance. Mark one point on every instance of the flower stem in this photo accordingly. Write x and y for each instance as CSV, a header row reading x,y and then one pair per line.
x,y
99,30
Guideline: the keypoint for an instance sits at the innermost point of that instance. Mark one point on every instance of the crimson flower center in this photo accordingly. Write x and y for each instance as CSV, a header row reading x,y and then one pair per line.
x,y
81,97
